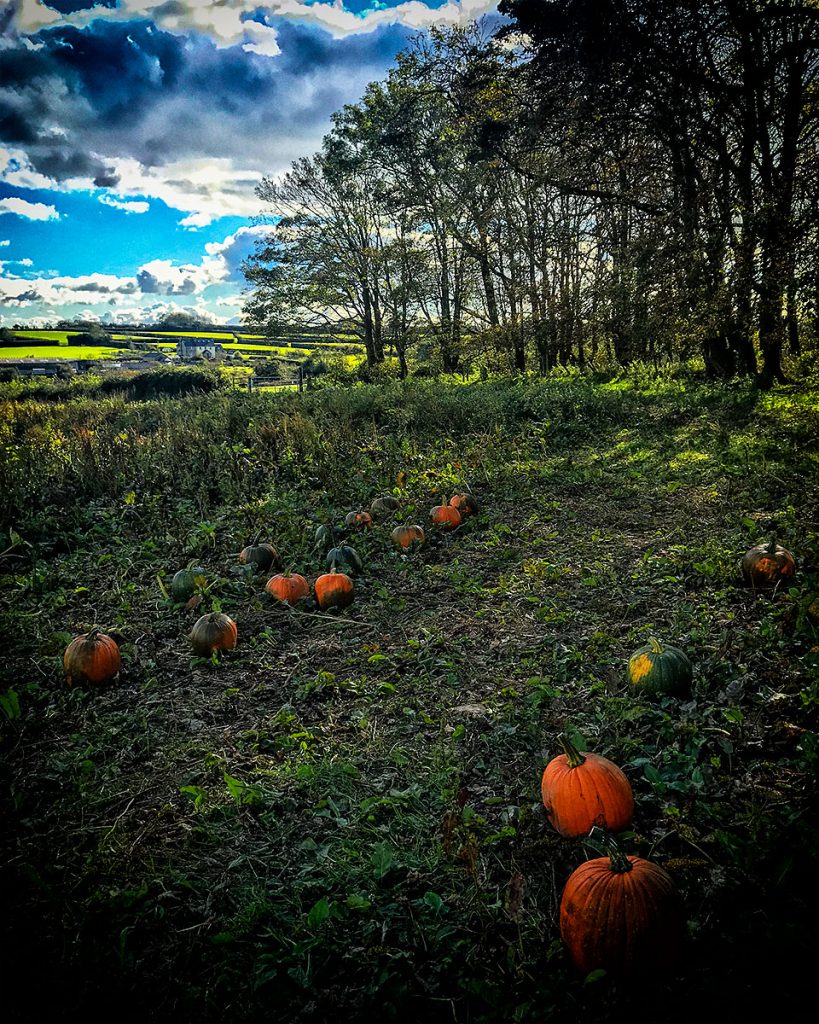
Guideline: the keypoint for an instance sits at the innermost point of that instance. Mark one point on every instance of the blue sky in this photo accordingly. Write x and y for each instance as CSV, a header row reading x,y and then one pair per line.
x,y
133,134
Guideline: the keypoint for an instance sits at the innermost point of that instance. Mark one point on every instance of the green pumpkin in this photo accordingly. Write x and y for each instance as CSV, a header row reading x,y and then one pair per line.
x,y
384,506
185,582
344,556
659,668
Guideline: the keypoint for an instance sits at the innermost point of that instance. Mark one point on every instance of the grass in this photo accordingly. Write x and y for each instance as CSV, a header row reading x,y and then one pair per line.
x,y
59,352
61,337
342,817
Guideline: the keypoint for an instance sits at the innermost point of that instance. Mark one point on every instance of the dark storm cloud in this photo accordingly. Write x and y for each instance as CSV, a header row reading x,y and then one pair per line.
x,y
128,89
69,6
149,284
118,68
236,249
24,298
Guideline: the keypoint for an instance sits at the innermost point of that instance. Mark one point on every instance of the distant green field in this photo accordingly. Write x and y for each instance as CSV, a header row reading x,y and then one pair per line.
x,y
280,350
189,334
61,337
59,352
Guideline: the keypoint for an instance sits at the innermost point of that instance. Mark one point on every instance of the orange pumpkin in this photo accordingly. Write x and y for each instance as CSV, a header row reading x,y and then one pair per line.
x,y
406,536
91,658
447,517
465,504
767,565
358,520
261,556
213,632
621,914
334,590
290,588
581,790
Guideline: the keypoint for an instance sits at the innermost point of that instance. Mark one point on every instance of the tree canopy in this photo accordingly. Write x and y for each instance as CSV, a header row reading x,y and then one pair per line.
x,y
611,181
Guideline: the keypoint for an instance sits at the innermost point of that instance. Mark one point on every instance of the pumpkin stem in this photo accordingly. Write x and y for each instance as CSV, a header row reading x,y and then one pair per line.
x,y
573,756
772,545
92,635
655,645
601,841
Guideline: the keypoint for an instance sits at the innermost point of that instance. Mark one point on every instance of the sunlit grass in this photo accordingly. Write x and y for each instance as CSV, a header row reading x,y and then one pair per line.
x,y
61,337
59,351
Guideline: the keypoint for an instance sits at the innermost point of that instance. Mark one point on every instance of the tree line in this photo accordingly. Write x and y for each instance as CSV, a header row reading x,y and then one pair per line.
x,y
612,180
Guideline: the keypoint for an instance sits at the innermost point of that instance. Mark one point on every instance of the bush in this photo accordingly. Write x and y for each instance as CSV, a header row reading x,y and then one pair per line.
x,y
167,381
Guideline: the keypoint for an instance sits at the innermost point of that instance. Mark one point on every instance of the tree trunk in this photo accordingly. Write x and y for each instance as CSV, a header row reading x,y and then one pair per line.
x,y
368,324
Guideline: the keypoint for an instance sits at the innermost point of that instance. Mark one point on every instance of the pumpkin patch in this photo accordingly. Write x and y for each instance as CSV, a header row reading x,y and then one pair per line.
x,y
422,739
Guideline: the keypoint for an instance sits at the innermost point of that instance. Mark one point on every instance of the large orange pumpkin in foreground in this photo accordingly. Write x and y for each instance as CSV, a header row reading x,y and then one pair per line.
x,y
334,590
768,564
581,790
91,658
213,632
621,914
289,588
447,517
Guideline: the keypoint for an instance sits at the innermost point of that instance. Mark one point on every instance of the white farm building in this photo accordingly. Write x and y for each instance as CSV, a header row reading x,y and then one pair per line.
x,y
199,348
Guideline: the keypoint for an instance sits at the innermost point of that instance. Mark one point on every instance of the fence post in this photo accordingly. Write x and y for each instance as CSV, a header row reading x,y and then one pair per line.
x,y
301,380
250,384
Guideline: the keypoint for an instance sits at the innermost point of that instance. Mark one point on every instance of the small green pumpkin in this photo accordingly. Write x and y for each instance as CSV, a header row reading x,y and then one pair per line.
x,y
659,668
185,582
343,557
384,506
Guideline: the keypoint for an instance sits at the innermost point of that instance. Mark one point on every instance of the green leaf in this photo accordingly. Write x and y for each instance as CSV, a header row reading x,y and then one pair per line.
x,y
319,913
433,901
10,703
235,786
382,858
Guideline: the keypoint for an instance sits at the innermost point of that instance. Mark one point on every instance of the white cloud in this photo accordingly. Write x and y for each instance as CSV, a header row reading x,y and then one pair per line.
x,y
204,189
62,291
128,207
31,211
16,170
143,291
230,25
